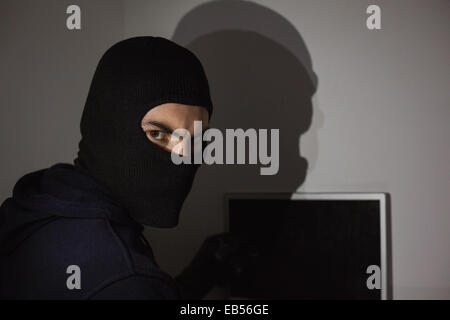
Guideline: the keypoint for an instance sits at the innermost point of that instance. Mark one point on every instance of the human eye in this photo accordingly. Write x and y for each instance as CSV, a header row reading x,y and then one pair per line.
x,y
162,137
158,135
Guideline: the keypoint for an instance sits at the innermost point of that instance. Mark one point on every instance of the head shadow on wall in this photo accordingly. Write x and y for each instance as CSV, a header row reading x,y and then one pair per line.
x,y
260,75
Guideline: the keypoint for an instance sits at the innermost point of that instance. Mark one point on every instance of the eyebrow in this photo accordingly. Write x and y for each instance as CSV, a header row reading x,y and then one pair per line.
x,y
165,127
160,125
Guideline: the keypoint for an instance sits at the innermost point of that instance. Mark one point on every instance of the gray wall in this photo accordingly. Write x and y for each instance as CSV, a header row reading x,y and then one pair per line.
x,y
358,110
45,72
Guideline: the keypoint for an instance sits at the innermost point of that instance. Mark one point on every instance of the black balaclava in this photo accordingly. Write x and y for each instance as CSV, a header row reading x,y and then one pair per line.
x,y
132,77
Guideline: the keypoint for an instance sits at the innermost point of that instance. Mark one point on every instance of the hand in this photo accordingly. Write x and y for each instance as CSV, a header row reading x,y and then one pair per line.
x,y
221,258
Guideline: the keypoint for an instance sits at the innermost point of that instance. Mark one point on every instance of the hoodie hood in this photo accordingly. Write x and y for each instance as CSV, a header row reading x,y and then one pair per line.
x,y
60,191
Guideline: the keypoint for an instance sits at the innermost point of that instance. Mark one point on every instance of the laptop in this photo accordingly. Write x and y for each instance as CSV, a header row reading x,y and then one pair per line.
x,y
311,245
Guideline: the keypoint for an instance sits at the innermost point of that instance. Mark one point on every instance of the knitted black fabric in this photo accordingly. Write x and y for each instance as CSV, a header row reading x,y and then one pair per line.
x,y
132,77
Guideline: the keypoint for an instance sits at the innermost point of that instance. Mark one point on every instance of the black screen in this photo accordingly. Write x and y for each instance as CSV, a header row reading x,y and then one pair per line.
x,y
307,249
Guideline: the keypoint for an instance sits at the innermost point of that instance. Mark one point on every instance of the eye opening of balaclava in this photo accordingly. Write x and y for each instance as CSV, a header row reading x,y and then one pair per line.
x,y
132,77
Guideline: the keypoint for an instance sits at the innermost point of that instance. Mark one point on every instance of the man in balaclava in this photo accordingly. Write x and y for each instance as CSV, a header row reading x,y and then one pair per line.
x,y
75,231
133,77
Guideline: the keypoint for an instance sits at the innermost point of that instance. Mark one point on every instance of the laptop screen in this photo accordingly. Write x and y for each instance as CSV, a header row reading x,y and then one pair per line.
x,y
307,248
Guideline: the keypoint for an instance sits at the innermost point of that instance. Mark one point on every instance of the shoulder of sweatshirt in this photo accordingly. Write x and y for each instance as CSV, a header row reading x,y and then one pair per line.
x,y
136,287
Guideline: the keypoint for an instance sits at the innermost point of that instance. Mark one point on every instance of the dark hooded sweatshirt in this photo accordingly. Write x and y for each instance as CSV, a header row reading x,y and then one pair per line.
x,y
59,217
